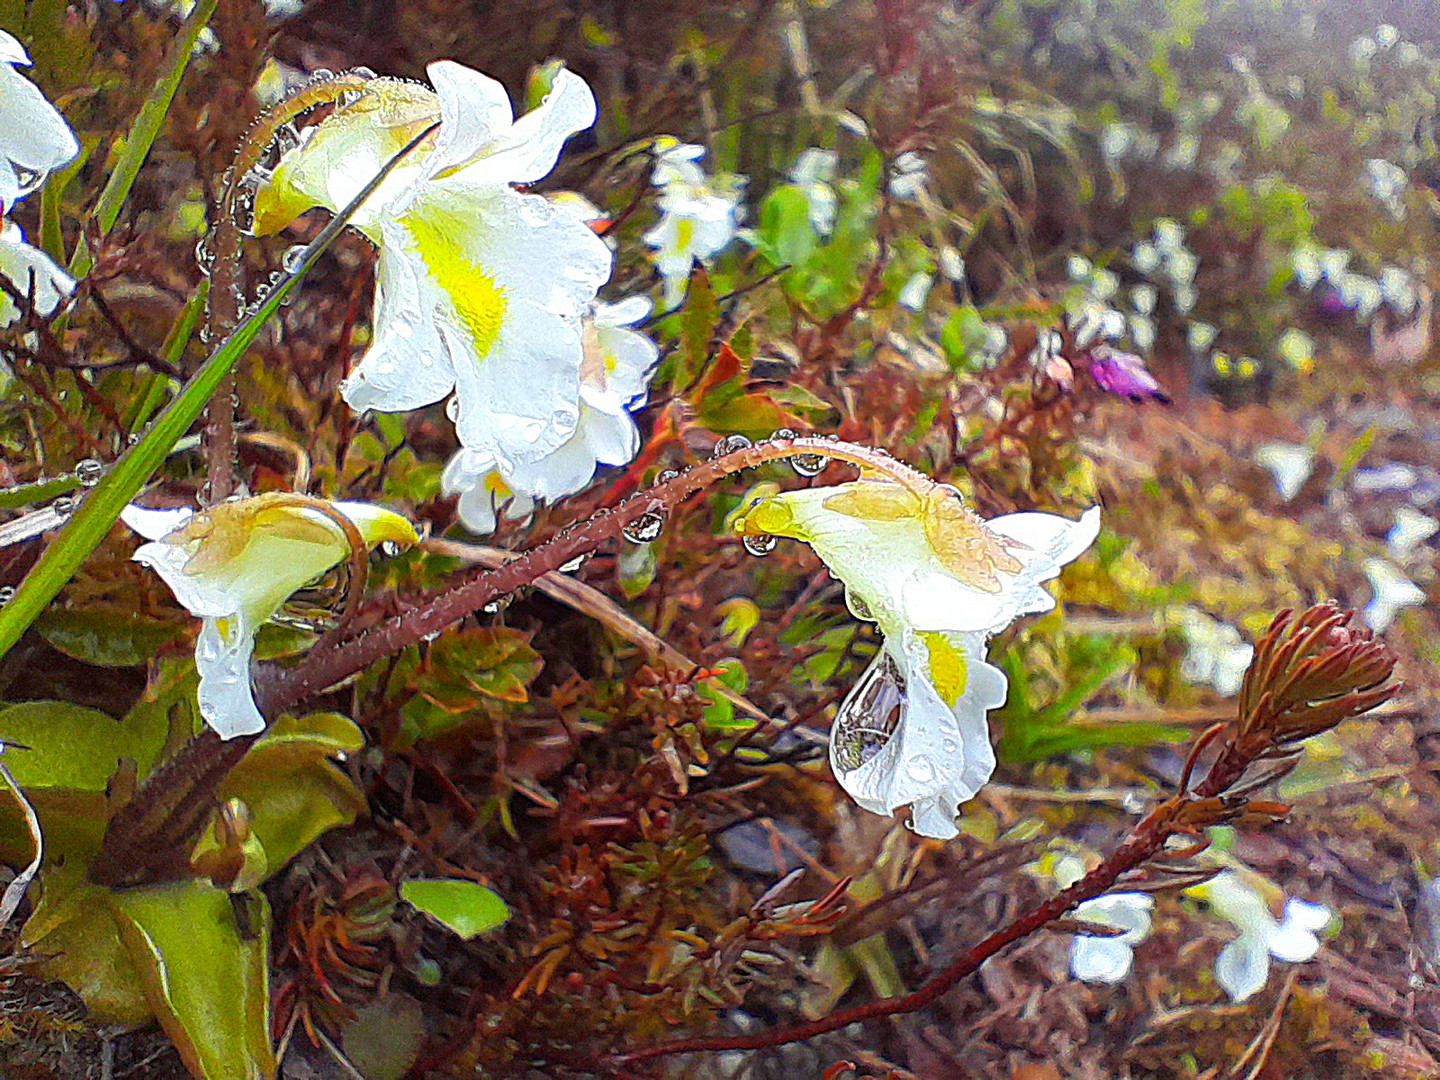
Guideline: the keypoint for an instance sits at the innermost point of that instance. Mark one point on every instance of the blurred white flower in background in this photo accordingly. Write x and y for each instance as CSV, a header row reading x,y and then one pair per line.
x,y
1391,592
30,271
1243,966
1105,959
1289,463
908,176
1411,529
812,173
1215,653
698,215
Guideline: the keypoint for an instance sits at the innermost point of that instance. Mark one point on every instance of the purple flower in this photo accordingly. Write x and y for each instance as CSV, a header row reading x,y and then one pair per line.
x,y
1124,375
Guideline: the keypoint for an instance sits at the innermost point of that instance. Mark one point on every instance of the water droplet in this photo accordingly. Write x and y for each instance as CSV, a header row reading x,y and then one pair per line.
x,y
645,528
920,770
808,465
729,444
452,408
759,543
363,73
27,179
785,433
286,139
428,638
89,472
949,745
7,593
349,97
664,476
64,506
575,563
858,607
293,257
390,549
204,255
321,74
868,716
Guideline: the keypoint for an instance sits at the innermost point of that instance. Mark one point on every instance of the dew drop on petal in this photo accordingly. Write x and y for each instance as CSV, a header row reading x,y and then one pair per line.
x,y
868,716
729,444
759,543
858,607
920,770
89,472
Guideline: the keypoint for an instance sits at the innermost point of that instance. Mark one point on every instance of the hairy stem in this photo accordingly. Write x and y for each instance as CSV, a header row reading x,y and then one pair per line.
x,y
282,689
225,298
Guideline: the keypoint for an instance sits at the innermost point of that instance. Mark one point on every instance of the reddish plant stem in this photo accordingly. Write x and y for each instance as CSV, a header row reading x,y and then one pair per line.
x,y
1143,843
280,689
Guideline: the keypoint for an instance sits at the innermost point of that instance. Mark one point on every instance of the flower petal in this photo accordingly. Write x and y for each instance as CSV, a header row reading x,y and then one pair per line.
x,y
528,151
222,657
23,265
474,113
11,51
155,523
407,366
1096,959
1294,938
1243,967
35,138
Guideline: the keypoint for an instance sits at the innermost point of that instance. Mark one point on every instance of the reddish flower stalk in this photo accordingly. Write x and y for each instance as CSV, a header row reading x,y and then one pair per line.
x,y
1309,672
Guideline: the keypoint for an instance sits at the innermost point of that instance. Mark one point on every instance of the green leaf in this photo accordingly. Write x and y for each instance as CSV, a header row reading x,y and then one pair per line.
x,y
785,236
962,338
719,713
291,785
697,326
107,637
385,1038
462,906
72,747
204,970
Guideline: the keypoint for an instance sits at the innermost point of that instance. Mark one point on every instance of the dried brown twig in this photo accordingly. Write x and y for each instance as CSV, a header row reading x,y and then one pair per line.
x,y
1310,671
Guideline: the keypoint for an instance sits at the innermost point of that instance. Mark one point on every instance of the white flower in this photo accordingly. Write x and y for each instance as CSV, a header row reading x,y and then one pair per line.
x,y
479,287
1243,966
23,266
1103,959
1145,257
1305,265
939,581
1386,181
1200,335
1398,289
951,264
234,565
1392,591
1297,349
915,291
1289,463
34,138
1108,959
1215,654
1411,529
1143,298
698,216
484,494
908,176
1360,293
614,377
813,171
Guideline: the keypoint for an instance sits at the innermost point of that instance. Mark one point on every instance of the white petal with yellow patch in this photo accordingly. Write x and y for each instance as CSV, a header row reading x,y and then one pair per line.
x,y
28,268
912,732
483,491
483,286
912,579
233,566
34,138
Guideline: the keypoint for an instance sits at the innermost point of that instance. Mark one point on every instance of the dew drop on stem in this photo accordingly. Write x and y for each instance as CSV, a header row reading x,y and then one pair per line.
x,y
664,476
89,472
760,543
7,593
644,529
293,257
729,444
